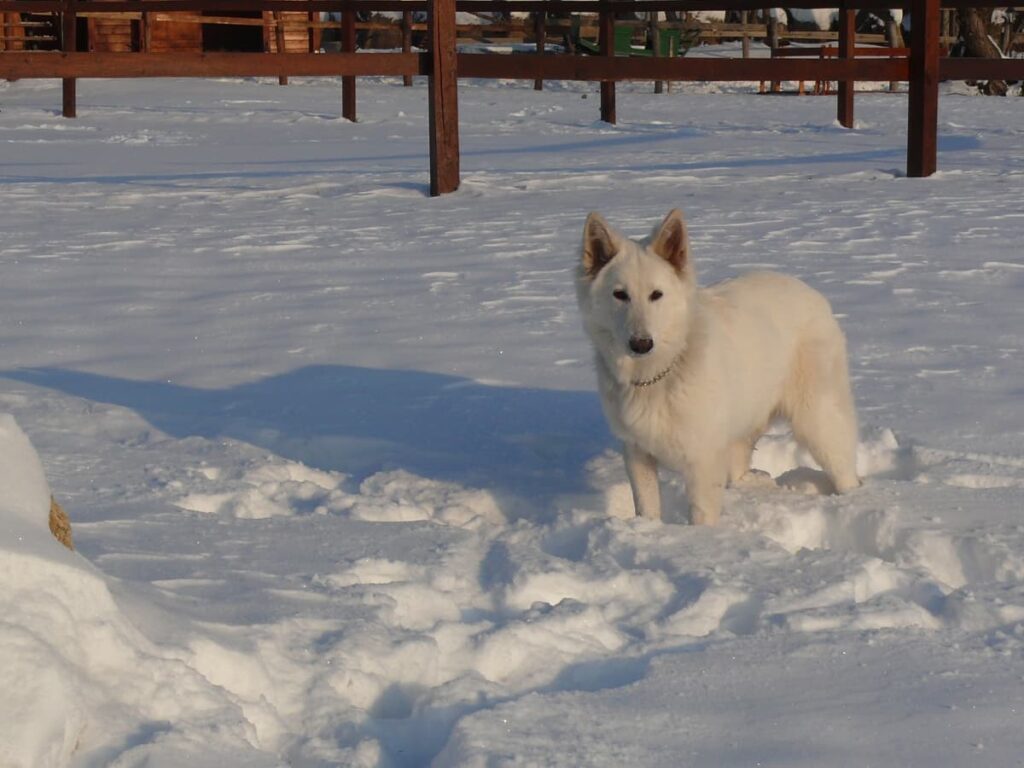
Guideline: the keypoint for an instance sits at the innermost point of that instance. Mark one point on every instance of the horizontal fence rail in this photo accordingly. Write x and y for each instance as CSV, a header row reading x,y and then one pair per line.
x,y
17,65
844,62
477,6
136,65
485,65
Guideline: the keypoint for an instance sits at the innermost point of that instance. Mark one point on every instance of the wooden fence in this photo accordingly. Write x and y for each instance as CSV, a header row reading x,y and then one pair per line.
x,y
443,65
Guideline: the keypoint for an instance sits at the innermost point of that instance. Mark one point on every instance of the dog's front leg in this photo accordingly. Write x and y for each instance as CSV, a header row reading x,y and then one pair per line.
x,y
642,469
705,487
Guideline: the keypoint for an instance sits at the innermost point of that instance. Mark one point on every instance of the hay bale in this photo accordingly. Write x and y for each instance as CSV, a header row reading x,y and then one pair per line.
x,y
60,525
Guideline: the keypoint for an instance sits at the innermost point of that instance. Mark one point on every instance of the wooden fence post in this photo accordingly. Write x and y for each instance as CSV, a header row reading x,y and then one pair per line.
x,y
540,31
847,40
348,82
279,42
655,32
145,32
923,109
69,43
606,44
407,42
443,98
745,20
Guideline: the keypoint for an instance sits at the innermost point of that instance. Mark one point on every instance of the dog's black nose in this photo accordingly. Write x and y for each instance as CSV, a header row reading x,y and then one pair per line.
x,y
641,346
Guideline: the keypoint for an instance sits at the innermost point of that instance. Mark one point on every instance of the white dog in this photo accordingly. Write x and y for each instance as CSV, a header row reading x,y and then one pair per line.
x,y
690,378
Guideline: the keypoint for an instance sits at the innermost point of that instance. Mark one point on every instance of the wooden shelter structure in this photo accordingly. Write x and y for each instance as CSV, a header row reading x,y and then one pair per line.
x,y
198,31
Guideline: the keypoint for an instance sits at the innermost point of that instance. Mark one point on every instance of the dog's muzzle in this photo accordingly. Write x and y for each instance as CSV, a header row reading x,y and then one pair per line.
x,y
640,346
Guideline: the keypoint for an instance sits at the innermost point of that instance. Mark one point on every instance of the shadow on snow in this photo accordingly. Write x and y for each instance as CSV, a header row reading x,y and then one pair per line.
x,y
529,444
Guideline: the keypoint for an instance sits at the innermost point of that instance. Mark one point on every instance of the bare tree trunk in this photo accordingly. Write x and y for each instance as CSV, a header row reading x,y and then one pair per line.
x,y
893,34
974,33
894,37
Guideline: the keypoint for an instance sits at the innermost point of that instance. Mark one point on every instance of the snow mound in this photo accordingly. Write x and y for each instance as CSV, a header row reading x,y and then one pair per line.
x,y
24,492
283,489
76,672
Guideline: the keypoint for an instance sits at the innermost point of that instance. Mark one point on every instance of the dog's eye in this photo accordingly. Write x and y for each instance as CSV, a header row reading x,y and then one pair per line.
x,y
620,294
656,295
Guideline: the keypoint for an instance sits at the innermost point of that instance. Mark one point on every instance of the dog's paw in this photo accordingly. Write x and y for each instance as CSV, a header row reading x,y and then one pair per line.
x,y
754,478
812,482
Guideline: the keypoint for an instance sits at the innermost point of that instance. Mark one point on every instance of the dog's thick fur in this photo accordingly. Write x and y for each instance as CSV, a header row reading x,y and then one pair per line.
x,y
691,377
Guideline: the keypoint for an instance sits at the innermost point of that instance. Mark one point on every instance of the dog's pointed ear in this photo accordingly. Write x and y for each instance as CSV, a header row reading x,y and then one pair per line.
x,y
599,244
672,242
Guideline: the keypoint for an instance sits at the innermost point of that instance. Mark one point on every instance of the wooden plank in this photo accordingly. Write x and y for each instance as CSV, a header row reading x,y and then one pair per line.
x,y
549,6
348,82
682,6
443,99
108,16
167,34
923,104
220,6
540,32
69,43
47,64
11,33
655,35
847,38
31,6
981,69
606,42
407,42
824,51
279,42
618,68
29,64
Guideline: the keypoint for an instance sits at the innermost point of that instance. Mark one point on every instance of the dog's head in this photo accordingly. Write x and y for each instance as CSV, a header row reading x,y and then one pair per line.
x,y
637,297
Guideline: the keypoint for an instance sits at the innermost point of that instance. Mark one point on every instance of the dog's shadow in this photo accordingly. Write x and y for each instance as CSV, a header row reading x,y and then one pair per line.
x,y
520,443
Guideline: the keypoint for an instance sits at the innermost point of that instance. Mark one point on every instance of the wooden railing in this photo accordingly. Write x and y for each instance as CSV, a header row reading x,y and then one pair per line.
x,y
443,65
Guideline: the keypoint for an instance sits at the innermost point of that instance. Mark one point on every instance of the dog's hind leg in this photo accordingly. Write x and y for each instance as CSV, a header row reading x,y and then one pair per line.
x,y
740,473
820,408
739,460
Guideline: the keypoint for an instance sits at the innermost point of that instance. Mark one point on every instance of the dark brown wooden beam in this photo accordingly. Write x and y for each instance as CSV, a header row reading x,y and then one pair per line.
x,y
348,82
847,38
643,6
616,68
31,6
540,33
407,42
923,103
69,44
279,42
44,64
606,43
981,69
236,6
48,64
548,6
443,99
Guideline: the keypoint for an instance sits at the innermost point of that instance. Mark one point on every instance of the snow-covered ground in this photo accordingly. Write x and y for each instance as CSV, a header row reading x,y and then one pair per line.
x,y
339,480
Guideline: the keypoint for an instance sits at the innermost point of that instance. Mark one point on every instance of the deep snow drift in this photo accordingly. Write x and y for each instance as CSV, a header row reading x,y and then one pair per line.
x,y
340,483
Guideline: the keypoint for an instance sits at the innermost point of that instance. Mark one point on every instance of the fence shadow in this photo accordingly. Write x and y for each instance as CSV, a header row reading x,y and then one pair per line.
x,y
527,444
